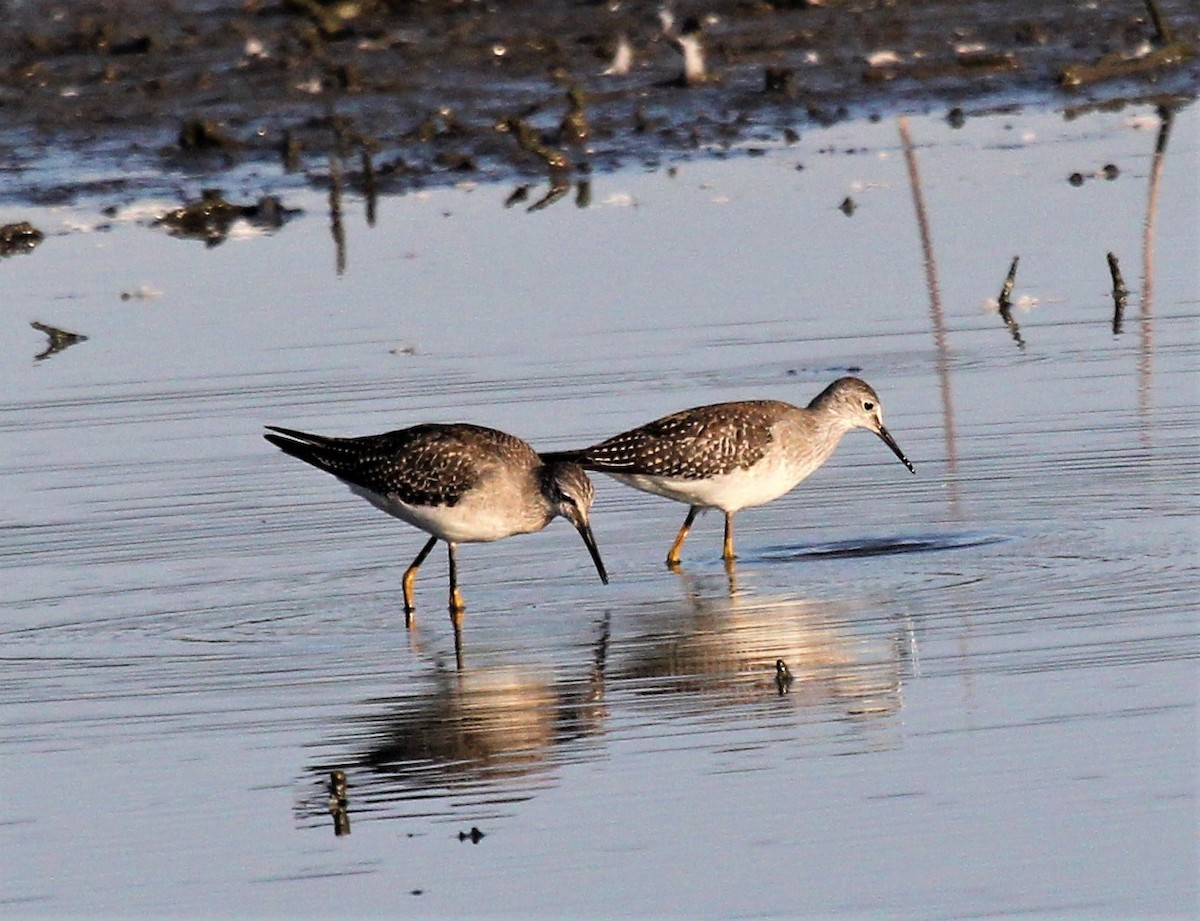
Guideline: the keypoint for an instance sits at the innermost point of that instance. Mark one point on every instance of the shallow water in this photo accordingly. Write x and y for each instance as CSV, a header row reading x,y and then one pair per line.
x,y
994,699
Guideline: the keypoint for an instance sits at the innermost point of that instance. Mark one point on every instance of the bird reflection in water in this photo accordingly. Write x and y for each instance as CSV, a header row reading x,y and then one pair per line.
x,y
737,648
480,739
475,731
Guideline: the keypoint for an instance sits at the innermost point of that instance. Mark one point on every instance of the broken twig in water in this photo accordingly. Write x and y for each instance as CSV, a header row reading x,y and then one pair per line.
x,y
1004,302
1005,299
59,339
1119,292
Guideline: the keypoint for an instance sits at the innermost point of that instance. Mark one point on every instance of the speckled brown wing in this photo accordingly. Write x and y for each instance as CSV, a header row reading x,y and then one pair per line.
x,y
426,465
693,444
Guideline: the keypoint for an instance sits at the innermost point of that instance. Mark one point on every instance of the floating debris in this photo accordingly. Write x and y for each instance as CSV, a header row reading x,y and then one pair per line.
x,y
141,293
59,339
21,237
1109,172
620,200
211,216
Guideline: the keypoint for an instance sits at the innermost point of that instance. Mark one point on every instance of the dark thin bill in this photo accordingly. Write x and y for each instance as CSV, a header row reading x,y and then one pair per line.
x,y
891,443
585,531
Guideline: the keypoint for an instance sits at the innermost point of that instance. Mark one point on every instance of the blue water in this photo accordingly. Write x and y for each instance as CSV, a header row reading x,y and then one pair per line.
x,y
197,629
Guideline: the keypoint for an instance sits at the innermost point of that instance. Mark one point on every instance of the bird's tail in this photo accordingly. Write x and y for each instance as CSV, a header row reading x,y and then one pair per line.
x,y
321,451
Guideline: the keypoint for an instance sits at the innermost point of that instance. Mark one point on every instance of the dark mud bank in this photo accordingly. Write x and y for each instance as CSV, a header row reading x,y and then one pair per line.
x,y
117,100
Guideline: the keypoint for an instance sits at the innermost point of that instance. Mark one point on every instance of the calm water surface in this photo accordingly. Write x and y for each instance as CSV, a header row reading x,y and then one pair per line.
x,y
994,703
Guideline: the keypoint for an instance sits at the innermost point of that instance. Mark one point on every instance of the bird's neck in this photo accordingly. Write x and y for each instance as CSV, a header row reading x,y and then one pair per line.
x,y
817,433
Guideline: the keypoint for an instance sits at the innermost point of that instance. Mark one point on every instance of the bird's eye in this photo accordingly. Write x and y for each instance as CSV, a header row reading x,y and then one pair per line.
x,y
868,405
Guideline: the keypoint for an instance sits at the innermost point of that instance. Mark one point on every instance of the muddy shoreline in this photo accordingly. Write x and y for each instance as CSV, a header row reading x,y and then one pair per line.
x,y
109,102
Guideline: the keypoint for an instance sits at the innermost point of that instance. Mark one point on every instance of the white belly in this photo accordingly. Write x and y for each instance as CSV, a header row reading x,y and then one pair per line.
x,y
469,521
728,492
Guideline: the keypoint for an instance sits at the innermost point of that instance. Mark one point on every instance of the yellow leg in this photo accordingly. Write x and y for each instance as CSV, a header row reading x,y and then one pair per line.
x,y
456,602
673,553
410,576
728,555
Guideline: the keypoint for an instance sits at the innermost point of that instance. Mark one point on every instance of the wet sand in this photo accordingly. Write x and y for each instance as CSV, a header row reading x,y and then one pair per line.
x,y
116,101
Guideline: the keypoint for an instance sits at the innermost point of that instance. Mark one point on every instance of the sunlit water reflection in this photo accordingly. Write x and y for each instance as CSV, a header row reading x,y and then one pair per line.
x,y
992,706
